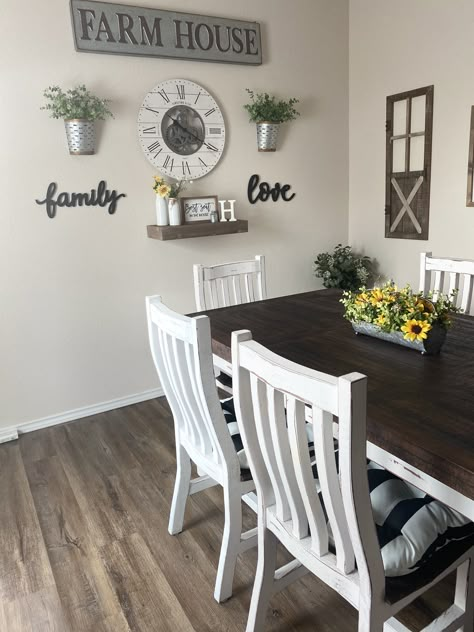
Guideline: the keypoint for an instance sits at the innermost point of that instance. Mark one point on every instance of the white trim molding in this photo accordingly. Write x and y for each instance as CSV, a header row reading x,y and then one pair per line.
x,y
8,434
11,433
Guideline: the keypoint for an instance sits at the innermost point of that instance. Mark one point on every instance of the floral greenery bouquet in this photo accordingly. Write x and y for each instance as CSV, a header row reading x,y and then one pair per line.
x,y
263,107
343,268
168,189
76,103
400,310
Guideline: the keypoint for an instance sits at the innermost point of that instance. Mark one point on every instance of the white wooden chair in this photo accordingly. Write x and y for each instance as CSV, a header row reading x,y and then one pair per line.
x,y
226,284
181,350
440,274
270,395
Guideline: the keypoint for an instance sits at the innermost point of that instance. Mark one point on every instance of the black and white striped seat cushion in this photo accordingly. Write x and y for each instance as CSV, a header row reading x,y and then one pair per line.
x,y
413,529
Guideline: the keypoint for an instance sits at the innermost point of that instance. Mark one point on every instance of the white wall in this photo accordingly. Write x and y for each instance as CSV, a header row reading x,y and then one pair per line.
x,y
398,46
72,288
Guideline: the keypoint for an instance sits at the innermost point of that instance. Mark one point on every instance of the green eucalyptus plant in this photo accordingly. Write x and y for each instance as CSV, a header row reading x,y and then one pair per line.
x,y
343,269
75,103
266,108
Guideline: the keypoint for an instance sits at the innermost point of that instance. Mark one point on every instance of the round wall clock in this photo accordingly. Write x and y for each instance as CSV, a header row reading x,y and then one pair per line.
x,y
181,129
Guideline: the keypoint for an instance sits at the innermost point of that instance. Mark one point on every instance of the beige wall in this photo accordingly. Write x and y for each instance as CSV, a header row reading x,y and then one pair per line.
x,y
398,46
72,288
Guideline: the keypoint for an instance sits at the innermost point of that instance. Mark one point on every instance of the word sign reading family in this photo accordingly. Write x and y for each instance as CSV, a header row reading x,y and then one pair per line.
x,y
97,197
102,27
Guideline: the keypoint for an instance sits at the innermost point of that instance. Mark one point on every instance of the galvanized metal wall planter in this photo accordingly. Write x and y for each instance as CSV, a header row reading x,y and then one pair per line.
x,y
80,135
267,136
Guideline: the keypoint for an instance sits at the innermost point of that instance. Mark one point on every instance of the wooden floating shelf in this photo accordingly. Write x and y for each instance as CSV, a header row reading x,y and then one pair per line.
x,y
197,229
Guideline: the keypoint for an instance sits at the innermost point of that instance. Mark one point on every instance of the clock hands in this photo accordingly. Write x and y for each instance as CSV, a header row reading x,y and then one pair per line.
x,y
185,138
185,129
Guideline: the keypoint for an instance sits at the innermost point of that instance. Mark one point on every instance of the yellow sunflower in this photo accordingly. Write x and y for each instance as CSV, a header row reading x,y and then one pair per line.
x,y
416,330
376,296
381,320
163,190
361,298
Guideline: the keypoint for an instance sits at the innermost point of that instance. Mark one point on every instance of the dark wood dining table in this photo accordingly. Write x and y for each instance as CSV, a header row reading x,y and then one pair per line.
x,y
420,417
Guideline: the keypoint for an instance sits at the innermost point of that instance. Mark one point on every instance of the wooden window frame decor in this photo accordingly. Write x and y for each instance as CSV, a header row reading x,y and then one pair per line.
x,y
192,216
407,192
470,164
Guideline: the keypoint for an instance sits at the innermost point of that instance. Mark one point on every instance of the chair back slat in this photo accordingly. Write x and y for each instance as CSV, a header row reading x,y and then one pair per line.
x,y
330,488
466,297
229,284
276,409
237,294
443,275
298,442
454,282
171,353
271,398
438,284
181,351
264,428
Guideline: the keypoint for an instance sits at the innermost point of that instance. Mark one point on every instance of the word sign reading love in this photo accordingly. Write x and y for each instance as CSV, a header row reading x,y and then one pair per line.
x,y
262,191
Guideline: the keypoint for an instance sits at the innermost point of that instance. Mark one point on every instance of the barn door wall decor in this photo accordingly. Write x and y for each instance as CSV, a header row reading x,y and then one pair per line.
x,y
409,131
470,164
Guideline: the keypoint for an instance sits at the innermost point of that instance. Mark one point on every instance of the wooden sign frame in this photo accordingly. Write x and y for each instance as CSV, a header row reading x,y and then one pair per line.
x,y
193,216
120,29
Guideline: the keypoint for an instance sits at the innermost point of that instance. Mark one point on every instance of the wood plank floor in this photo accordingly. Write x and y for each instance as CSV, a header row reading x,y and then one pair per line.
x,y
84,545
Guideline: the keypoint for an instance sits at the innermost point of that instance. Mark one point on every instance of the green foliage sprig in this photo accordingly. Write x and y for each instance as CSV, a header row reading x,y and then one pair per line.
x,y
394,309
343,269
263,107
76,103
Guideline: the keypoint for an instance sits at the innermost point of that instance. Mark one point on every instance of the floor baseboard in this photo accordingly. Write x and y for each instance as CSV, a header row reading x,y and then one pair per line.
x,y
11,432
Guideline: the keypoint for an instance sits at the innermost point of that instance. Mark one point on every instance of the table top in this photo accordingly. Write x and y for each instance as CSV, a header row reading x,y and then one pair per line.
x,y
420,408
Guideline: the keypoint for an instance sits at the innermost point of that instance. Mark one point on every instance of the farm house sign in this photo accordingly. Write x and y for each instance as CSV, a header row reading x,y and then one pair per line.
x,y
102,27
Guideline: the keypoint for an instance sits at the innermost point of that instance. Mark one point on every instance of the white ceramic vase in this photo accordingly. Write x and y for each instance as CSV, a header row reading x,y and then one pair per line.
x,y
174,211
161,211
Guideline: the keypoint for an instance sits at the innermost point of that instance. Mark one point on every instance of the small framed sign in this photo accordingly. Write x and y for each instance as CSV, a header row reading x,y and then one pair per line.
x,y
198,209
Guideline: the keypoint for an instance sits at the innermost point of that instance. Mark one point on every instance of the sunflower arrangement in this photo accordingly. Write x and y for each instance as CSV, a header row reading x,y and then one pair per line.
x,y
167,189
401,310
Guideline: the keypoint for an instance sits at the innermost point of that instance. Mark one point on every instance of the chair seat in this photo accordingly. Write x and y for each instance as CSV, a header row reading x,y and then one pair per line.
x,y
224,381
419,536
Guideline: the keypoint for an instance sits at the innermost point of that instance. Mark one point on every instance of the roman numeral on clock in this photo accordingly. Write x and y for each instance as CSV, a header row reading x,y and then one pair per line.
x,y
163,94
149,130
181,92
166,162
154,146
211,147
202,162
209,112
185,166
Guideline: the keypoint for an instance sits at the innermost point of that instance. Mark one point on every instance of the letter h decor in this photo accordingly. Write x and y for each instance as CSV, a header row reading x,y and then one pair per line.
x,y
225,210
409,131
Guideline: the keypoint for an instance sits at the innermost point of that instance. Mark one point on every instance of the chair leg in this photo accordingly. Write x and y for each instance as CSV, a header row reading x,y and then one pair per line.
x,y
181,490
264,580
230,542
368,622
464,596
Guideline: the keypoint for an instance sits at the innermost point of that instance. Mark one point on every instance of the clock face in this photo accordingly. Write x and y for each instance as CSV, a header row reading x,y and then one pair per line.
x,y
181,129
